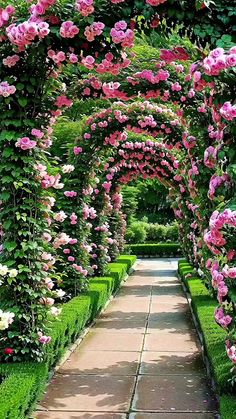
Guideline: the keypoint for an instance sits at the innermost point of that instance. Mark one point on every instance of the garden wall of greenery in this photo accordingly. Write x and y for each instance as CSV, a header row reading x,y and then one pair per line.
x,y
166,113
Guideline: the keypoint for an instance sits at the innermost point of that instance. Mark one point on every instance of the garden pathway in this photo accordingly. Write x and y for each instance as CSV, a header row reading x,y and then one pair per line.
x,y
141,360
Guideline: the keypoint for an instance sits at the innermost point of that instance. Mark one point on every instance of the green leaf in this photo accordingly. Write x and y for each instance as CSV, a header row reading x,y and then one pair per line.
x,y
20,86
4,196
9,246
7,152
23,101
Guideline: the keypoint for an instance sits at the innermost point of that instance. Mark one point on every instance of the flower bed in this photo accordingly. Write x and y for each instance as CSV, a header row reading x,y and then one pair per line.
x,y
203,306
151,250
24,383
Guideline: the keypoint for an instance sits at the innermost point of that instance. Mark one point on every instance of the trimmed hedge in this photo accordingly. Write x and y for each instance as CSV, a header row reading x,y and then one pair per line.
x,y
128,260
23,384
160,249
227,406
213,337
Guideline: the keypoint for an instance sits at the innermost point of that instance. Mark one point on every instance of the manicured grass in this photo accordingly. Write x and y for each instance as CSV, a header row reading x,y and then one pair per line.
x,y
23,384
158,250
213,336
227,406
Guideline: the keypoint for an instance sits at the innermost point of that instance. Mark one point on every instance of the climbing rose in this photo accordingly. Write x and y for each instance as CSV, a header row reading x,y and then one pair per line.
x,y
25,143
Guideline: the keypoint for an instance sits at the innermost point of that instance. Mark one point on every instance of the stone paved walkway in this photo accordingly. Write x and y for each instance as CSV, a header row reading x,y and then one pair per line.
x,y
141,360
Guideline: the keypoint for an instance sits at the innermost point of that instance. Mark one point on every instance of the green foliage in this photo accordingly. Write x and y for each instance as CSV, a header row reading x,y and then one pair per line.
x,y
136,233
128,260
167,249
227,406
144,232
22,386
66,135
147,198
130,201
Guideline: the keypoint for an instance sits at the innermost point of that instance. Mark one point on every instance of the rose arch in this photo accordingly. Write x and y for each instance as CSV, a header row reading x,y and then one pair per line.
x,y
39,42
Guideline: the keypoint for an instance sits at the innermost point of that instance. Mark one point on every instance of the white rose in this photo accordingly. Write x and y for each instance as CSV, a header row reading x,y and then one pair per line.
x,y
68,168
55,311
3,270
60,293
13,273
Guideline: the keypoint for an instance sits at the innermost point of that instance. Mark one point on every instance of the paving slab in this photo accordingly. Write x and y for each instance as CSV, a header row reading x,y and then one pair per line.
x,y
129,306
80,415
167,289
163,415
171,363
103,362
169,341
170,308
106,341
117,325
123,316
178,393
176,321
89,393
167,300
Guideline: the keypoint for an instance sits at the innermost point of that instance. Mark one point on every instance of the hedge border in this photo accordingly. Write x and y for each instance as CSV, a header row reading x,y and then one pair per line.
x,y
155,249
203,306
23,384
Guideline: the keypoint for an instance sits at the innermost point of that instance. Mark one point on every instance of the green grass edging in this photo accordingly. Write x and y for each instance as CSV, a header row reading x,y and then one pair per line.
x,y
23,384
213,337
159,249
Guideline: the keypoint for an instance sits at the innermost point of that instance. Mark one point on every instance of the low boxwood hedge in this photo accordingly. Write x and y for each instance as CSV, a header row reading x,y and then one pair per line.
x,y
158,250
213,337
23,384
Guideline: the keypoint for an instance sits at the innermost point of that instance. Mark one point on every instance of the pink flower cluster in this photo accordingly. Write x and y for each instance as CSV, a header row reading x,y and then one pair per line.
x,y
88,62
68,29
155,2
70,194
57,57
219,60
176,54
217,222
5,15
210,157
85,7
89,212
41,7
80,269
50,181
6,90
231,352
73,219
25,143
217,181
93,30
25,33
228,111
148,121
63,101
161,75
43,338
111,89
222,319
115,138
61,240
11,60
121,35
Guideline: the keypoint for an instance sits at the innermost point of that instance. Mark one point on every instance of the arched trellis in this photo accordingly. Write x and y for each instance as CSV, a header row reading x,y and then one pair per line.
x,y
105,138
25,118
